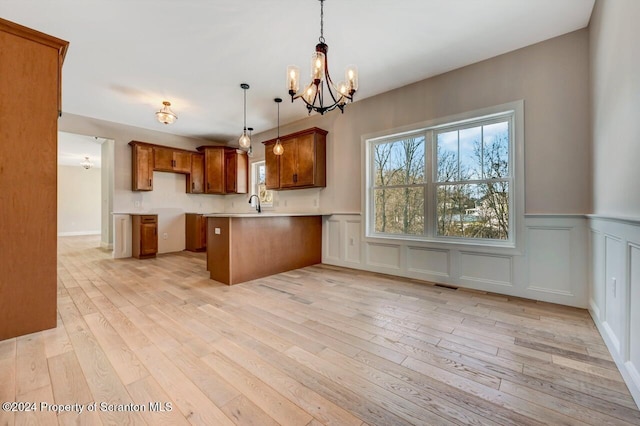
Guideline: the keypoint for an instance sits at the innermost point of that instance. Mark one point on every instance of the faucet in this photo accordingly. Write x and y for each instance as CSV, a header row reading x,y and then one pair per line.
x,y
258,200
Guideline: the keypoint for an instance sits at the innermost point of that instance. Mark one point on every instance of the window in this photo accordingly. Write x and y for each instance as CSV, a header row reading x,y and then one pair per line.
x,y
450,181
259,183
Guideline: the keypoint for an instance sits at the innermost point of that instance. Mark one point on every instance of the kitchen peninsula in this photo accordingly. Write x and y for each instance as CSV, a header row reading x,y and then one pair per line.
x,y
243,247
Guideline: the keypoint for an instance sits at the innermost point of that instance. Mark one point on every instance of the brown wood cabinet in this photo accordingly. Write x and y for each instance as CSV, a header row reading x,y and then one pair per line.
x,y
195,179
226,171
236,170
173,160
196,232
30,88
303,163
144,238
141,166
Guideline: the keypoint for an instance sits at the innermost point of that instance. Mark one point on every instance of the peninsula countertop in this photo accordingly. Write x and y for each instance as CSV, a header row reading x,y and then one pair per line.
x,y
263,214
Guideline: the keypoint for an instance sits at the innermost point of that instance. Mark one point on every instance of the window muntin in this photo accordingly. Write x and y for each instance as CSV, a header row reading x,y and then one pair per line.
x,y
447,182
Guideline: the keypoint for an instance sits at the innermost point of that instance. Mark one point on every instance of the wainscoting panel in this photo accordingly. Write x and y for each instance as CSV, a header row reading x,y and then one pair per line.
x,y
614,296
352,229
550,266
486,271
552,272
428,261
333,239
383,255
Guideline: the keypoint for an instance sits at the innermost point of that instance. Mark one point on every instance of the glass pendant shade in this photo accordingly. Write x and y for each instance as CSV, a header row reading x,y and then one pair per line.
x,y
278,149
317,67
351,77
244,141
165,115
293,78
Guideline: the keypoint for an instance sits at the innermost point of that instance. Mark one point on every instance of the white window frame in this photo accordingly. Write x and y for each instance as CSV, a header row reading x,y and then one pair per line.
x,y
515,110
254,183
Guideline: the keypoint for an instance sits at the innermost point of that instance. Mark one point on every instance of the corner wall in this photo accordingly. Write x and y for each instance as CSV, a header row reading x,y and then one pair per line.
x,y
614,277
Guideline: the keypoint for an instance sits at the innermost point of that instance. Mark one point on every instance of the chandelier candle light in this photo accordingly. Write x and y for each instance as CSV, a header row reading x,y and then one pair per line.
x,y
314,94
165,115
245,140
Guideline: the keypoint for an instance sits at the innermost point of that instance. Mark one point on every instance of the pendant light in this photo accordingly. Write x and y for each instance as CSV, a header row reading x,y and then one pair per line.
x,y
245,140
278,149
165,115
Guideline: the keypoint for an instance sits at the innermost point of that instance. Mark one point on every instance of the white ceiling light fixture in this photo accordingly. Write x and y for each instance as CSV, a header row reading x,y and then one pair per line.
x,y
86,163
165,115
245,140
278,149
314,94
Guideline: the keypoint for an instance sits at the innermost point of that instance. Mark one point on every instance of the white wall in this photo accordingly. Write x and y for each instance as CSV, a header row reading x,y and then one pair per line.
x,y
614,299
79,202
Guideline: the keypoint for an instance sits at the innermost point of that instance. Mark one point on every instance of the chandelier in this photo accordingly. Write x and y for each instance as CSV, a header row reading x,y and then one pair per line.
x,y
314,95
165,115
245,139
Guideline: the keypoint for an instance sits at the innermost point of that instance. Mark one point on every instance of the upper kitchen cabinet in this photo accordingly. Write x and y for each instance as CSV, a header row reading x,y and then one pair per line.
x,y
173,160
226,170
236,170
195,179
141,166
303,163
30,93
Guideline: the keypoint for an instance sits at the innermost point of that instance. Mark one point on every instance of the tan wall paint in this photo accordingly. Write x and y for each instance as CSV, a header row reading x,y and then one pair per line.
x,y
552,79
615,107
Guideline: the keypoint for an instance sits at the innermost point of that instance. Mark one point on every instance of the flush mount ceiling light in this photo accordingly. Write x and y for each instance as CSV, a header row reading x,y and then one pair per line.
x,y
86,163
165,115
314,94
278,149
245,140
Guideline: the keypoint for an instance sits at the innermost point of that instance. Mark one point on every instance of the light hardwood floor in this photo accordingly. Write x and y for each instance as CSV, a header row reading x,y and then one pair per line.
x,y
320,345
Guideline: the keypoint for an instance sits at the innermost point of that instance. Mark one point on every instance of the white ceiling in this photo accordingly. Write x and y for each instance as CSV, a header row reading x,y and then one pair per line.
x,y
126,57
72,149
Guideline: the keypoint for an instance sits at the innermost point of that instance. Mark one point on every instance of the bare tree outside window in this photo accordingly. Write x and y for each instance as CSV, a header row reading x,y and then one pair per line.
x,y
469,177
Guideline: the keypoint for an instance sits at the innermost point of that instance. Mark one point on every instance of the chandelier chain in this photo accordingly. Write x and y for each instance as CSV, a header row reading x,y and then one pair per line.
x,y
321,38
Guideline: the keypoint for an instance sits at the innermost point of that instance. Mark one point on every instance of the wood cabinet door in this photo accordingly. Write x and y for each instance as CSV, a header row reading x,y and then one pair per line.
x,y
142,173
288,163
195,179
272,167
162,159
214,168
306,160
148,239
181,162
230,172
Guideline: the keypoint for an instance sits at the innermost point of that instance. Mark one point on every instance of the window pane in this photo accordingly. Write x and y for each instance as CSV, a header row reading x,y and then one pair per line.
x,y
447,153
471,153
400,162
473,210
496,150
399,210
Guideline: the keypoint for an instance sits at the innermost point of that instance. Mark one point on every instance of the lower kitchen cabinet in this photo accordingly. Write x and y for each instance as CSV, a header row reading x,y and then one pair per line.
x,y
144,238
196,232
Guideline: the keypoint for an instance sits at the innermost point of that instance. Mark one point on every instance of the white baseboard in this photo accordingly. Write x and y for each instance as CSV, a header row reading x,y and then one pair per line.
x,y
77,233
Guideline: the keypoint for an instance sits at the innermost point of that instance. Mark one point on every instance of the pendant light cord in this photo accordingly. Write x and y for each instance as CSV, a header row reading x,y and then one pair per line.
x,y
245,111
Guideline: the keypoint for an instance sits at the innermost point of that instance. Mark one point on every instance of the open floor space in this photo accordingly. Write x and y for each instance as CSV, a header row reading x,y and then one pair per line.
x,y
157,342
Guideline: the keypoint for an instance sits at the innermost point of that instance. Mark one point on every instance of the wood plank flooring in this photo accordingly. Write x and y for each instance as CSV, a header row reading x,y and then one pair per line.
x,y
156,342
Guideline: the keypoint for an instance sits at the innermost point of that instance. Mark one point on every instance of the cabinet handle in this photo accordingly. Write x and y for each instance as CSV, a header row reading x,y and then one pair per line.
x,y
149,182
193,186
208,186
295,177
